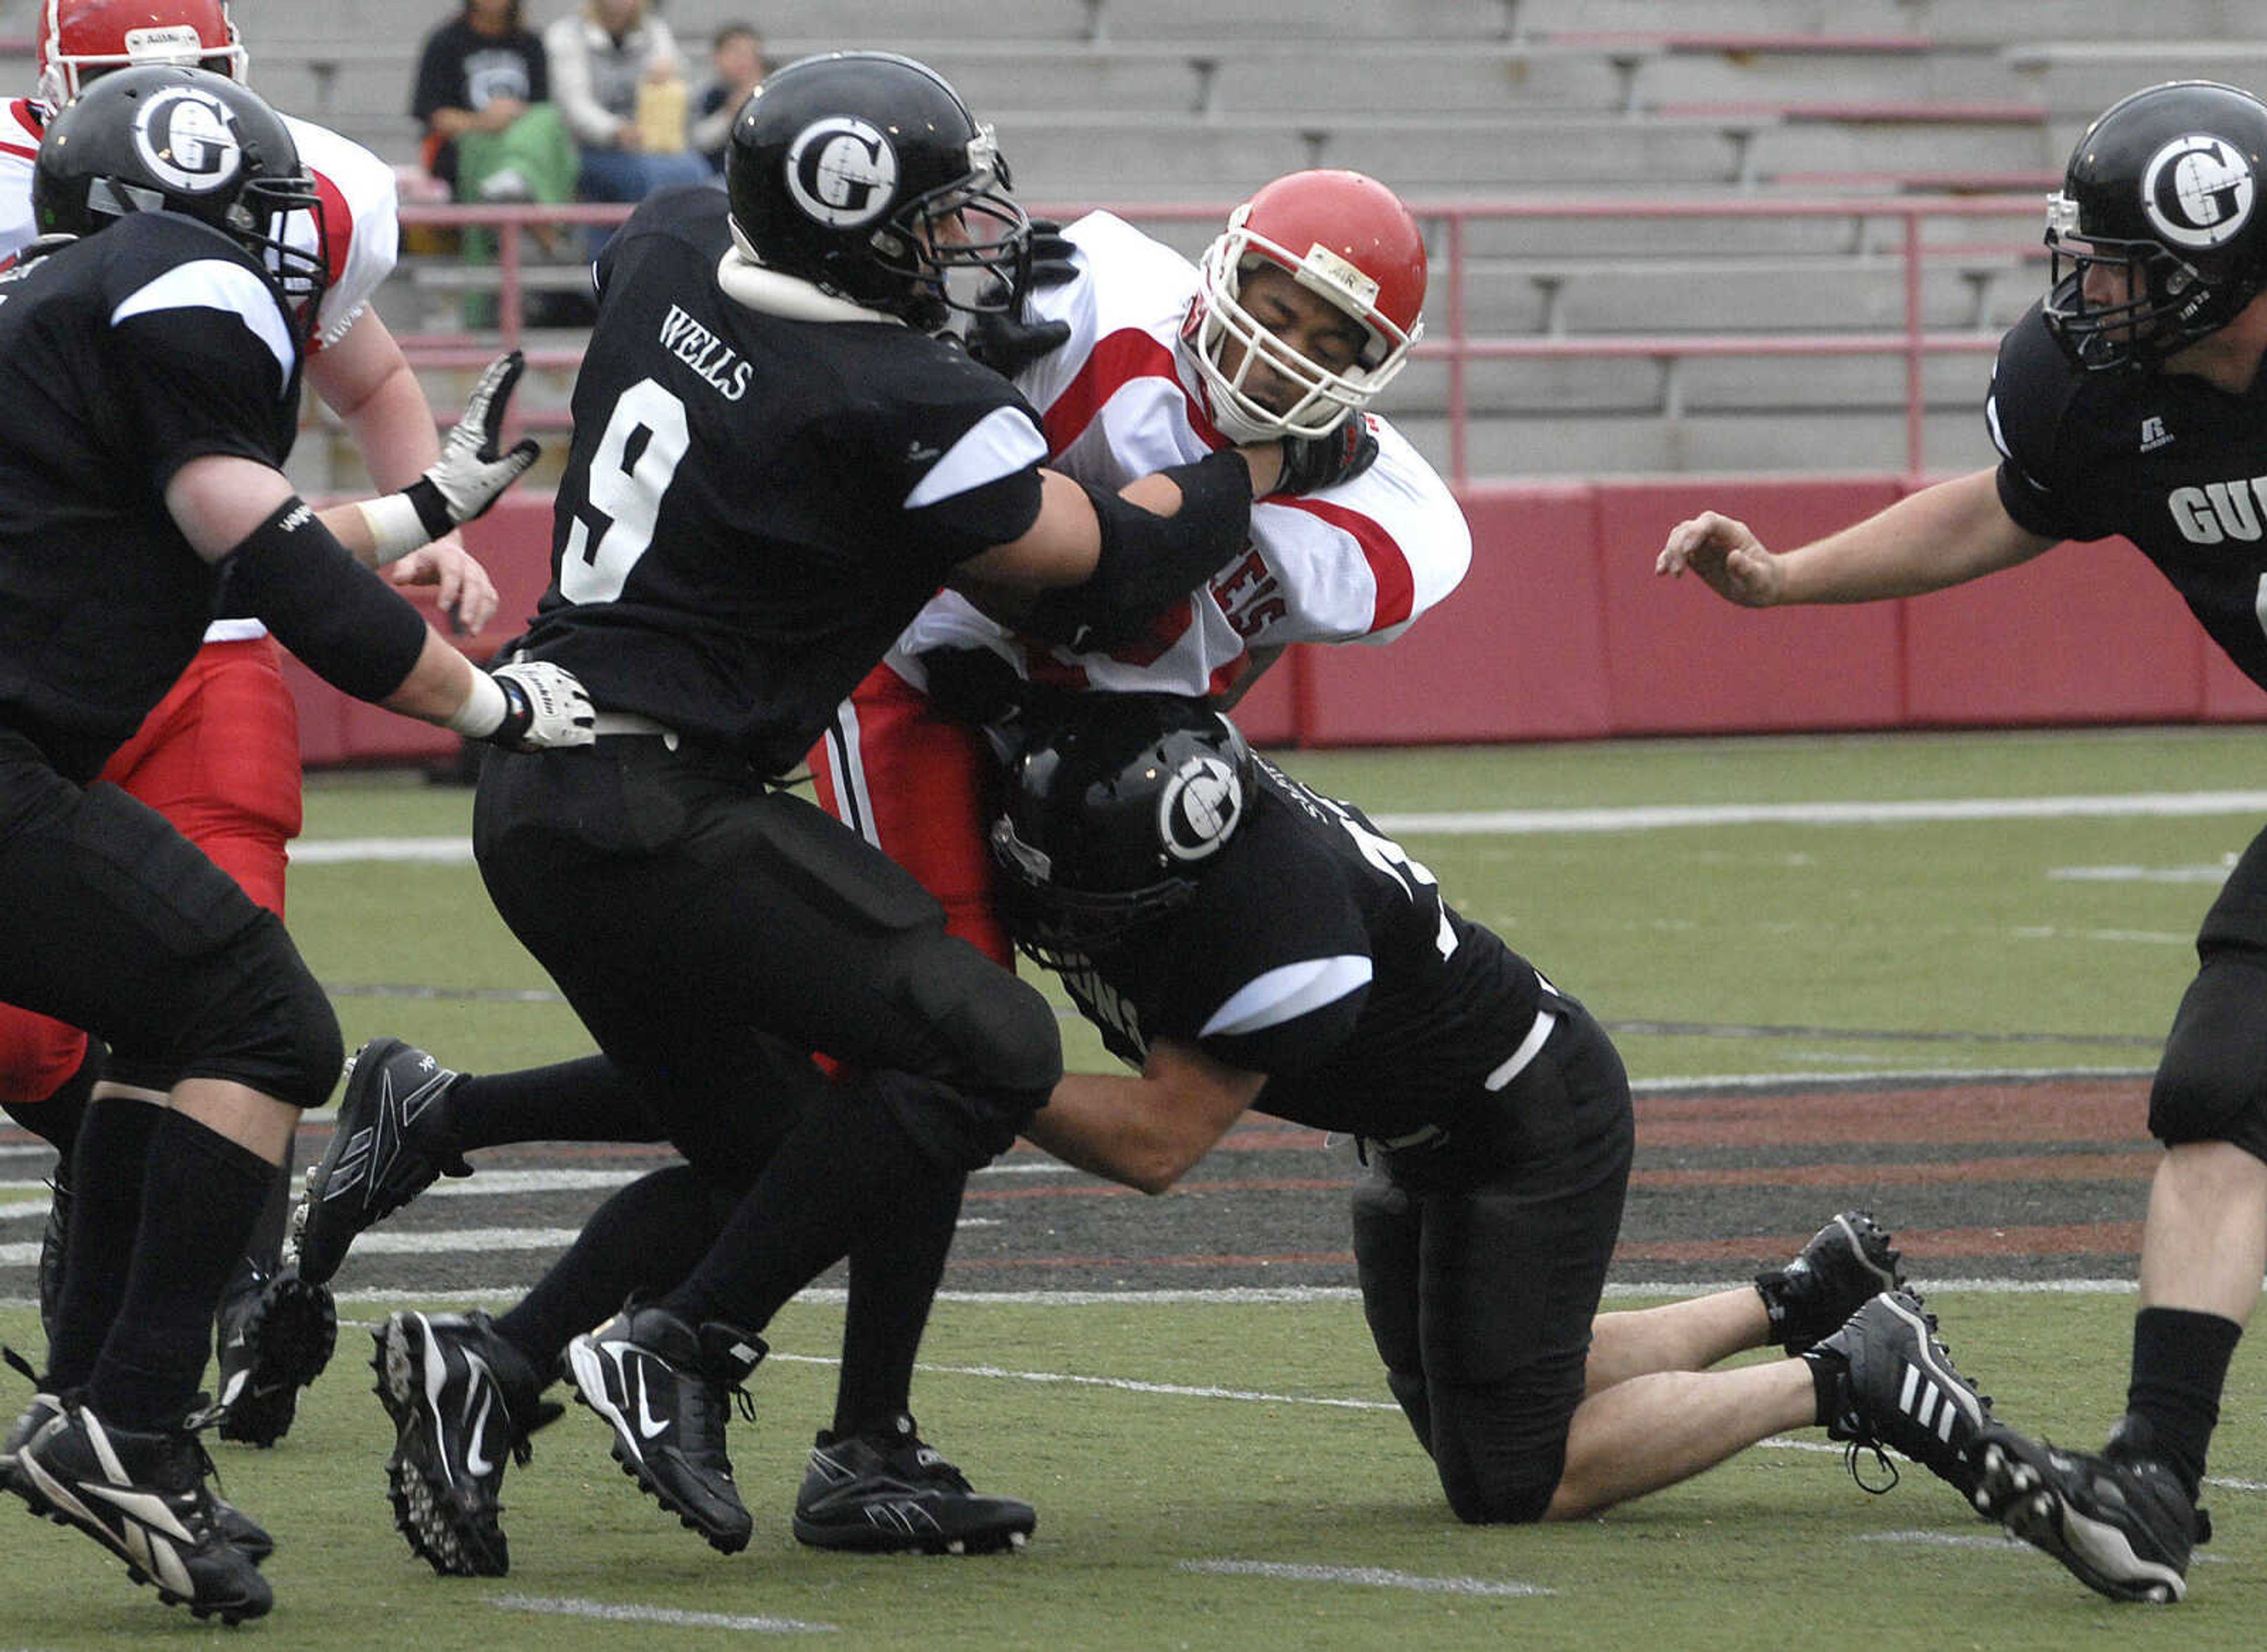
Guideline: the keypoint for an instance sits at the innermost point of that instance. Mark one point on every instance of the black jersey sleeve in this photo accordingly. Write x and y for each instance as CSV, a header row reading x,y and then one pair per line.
x,y
198,356
960,451
2031,391
1273,975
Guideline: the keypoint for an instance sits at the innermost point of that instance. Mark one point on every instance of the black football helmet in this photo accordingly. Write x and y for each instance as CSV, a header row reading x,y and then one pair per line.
x,y
1113,812
175,139
2164,188
863,174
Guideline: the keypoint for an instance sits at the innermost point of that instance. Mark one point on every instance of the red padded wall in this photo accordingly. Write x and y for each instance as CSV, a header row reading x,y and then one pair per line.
x,y
1681,661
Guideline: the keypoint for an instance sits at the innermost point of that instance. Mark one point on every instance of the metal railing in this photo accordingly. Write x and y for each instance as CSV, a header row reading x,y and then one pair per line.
x,y
1448,338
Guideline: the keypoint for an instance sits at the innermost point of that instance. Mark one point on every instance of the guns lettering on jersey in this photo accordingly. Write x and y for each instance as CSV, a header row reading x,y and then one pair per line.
x,y
2220,510
1247,597
716,361
1102,1005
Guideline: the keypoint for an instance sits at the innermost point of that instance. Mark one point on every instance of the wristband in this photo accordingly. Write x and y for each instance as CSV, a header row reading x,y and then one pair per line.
x,y
400,522
482,714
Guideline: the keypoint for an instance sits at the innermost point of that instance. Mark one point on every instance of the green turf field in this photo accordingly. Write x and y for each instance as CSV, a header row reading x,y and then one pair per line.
x,y
1264,1515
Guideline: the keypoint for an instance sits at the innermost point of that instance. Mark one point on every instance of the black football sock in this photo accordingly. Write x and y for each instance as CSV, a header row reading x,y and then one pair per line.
x,y
107,1170
842,1175
893,1279
56,1117
265,1254
200,1199
586,1100
2180,1366
645,1238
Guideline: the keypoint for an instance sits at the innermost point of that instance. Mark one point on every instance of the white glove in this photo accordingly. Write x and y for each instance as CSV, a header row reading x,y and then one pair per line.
x,y
543,709
470,474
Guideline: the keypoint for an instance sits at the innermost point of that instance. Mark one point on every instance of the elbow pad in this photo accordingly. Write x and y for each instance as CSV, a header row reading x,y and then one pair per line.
x,y
1148,561
346,624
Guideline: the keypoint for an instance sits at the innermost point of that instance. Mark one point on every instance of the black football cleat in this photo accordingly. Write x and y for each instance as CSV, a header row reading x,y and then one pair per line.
x,y
1894,1384
391,1141
886,1493
274,1339
143,1496
2121,1523
463,1402
1846,1262
662,1387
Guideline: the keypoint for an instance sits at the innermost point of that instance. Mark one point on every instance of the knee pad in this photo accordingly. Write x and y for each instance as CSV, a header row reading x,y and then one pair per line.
x,y
2211,1082
1000,1033
261,1019
1385,1250
960,1130
1500,1447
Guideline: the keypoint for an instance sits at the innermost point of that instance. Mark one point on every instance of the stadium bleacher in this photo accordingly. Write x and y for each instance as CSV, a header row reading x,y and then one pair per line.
x,y
1155,102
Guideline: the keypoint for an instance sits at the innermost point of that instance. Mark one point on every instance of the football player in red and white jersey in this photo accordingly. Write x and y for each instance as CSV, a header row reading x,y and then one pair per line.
x,y
1303,310
219,757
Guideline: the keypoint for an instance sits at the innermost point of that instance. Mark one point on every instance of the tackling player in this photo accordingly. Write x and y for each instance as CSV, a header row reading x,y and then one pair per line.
x,y
1246,943
219,755
777,463
2126,402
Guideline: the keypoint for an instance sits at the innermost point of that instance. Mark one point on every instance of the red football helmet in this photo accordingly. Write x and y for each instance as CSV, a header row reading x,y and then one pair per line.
x,y
1338,234
77,39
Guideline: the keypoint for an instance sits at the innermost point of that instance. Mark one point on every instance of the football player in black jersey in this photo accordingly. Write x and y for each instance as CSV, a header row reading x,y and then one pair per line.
x,y
2127,401
1246,943
776,462
149,357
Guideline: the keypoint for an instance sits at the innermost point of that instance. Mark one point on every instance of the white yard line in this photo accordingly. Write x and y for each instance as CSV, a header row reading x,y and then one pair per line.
x,y
1532,822
610,1612
1366,1576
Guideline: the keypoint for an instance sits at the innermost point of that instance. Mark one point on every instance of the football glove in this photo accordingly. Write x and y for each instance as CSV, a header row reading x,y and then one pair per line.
x,y
470,474
1001,339
545,709
1312,463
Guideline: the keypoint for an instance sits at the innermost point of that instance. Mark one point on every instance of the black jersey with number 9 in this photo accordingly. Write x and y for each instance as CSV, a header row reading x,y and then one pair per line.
x,y
755,504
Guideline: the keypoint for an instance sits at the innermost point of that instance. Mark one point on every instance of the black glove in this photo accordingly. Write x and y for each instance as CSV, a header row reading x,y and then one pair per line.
x,y
999,338
473,469
1312,463
972,685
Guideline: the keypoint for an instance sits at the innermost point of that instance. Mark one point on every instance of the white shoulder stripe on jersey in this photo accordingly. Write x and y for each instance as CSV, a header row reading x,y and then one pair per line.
x,y
1285,994
217,283
1001,442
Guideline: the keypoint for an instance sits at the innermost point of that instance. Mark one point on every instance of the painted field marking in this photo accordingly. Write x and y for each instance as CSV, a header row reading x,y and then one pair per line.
x,y
1366,1576
606,1610
1532,822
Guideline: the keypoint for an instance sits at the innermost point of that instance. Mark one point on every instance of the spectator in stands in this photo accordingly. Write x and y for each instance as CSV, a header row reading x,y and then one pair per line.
x,y
610,61
735,63
483,97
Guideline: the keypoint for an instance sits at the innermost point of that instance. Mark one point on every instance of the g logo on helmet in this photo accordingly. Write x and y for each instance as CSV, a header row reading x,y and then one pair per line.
x,y
186,137
842,172
2199,191
1199,808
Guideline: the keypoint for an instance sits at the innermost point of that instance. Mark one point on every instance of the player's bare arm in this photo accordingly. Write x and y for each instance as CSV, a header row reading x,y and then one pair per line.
x,y
368,382
1941,536
1146,1132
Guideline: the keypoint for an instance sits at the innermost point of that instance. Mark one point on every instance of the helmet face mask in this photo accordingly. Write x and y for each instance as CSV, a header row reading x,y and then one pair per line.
x,y
2159,235
863,174
1112,817
1338,236
185,141
77,40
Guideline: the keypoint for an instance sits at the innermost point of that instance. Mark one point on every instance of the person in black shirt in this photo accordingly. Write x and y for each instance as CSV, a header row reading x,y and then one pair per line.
x,y
483,96
776,462
150,348
2127,401
1246,943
